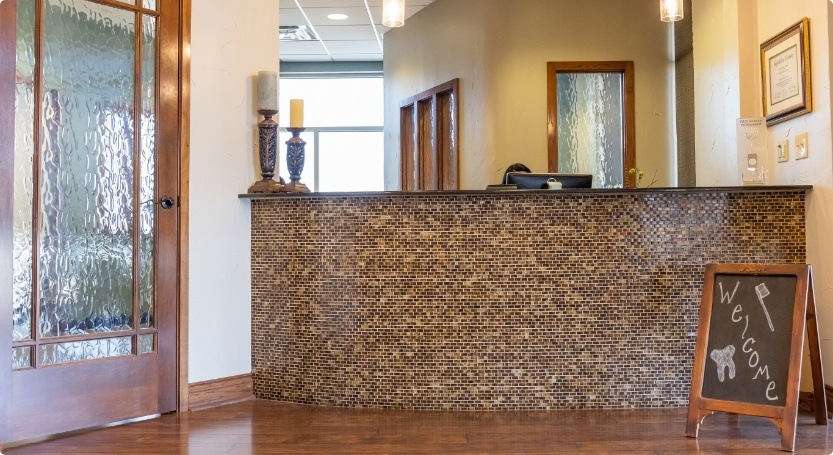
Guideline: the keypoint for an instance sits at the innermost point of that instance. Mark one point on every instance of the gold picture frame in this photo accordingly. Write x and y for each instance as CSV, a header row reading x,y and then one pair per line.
x,y
785,74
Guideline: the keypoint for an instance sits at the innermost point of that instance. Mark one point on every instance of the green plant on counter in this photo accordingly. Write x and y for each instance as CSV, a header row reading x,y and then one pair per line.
x,y
640,175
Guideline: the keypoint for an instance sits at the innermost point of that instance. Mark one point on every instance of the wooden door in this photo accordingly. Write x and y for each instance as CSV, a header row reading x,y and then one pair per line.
x,y
89,163
591,127
428,139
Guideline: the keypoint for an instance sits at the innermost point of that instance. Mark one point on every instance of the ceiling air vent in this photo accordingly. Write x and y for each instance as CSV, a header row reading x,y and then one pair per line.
x,y
297,33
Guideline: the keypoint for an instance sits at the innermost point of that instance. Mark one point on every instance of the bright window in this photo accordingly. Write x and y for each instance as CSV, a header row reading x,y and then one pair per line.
x,y
343,118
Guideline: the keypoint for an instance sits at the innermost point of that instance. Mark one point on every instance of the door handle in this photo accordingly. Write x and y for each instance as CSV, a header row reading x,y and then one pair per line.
x,y
167,202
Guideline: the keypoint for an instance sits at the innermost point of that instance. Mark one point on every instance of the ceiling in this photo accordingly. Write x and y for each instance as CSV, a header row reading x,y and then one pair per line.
x,y
357,38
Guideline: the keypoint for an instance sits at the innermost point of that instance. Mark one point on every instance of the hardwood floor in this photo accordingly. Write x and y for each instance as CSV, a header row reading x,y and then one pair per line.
x,y
263,427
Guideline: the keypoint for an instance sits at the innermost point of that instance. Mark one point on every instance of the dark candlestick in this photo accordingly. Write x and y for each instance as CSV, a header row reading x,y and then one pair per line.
x,y
295,151
268,147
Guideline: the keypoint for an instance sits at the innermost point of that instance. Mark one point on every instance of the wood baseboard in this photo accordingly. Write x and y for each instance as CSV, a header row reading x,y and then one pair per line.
x,y
829,393
806,399
219,392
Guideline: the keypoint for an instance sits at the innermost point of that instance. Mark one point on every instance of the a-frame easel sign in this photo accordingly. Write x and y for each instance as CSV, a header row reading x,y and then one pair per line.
x,y
750,343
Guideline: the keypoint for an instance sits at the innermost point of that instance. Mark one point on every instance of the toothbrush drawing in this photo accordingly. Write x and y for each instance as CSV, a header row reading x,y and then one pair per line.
x,y
761,291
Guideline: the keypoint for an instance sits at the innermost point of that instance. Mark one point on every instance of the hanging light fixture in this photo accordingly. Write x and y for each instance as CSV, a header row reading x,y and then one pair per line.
x,y
393,13
671,10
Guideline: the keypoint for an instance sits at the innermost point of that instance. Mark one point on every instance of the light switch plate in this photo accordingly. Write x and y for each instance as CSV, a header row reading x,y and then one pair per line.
x,y
782,150
802,146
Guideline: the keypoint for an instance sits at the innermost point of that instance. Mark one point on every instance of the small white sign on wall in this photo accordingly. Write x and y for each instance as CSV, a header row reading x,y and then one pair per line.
x,y
753,157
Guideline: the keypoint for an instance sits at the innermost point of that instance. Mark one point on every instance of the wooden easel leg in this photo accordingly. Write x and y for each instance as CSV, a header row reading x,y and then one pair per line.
x,y
819,399
692,426
786,427
788,443
695,419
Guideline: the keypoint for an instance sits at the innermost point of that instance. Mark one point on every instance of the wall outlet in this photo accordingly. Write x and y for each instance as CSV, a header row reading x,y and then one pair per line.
x,y
782,150
802,146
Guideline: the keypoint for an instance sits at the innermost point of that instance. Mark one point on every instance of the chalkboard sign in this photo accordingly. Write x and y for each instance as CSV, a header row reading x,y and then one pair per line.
x,y
749,339
749,345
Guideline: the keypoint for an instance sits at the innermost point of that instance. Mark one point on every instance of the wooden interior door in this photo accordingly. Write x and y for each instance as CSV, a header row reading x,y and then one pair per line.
x,y
591,113
89,165
428,139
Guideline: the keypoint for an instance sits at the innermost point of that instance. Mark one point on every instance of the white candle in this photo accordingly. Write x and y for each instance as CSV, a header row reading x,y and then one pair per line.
x,y
296,113
267,90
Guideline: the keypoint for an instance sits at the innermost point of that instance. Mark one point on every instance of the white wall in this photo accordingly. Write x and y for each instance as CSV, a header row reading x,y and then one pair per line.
x,y
500,50
716,91
230,43
817,170
727,39
229,46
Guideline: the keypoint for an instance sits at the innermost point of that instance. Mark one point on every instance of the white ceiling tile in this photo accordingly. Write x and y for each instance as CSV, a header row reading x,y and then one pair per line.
x,y
348,40
302,47
354,47
346,32
376,11
356,16
408,3
292,17
329,3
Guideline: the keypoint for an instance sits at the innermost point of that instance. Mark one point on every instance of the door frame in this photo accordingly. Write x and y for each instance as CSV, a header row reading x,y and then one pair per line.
x,y
184,198
8,32
8,27
429,139
626,69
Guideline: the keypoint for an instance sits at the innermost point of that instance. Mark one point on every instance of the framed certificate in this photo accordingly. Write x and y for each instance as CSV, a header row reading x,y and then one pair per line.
x,y
785,74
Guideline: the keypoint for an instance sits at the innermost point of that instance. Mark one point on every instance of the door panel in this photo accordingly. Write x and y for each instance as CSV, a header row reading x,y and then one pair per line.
x,y
428,139
590,126
24,151
87,394
96,134
86,200
590,121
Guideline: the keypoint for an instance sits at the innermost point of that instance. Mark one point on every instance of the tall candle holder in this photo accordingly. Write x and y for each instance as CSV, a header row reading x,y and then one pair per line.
x,y
295,151
268,147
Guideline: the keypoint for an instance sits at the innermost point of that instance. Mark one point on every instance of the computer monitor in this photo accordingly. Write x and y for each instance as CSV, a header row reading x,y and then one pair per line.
x,y
528,181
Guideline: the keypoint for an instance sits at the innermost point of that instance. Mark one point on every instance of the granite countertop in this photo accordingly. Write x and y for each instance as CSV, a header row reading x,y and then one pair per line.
x,y
692,190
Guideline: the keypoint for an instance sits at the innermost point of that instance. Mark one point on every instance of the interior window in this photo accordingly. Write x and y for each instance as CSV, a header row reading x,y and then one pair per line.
x,y
343,118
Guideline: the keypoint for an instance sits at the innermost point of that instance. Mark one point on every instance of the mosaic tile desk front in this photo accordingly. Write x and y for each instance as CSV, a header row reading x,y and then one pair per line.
x,y
497,301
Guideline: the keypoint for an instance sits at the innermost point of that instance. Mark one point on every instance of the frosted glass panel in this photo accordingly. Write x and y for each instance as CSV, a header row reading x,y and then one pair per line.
x,y
21,358
53,354
150,4
86,249
24,152
335,102
146,343
351,161
147,180
590,126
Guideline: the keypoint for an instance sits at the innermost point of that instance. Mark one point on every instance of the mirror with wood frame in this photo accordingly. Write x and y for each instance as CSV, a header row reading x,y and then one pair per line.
x,y
590,121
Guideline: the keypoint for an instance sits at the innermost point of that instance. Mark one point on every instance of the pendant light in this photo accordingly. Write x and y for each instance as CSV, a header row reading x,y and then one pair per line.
x,y
671,10
393,13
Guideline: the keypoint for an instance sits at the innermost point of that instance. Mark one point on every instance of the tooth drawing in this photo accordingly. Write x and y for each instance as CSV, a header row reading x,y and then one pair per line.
x,y
723,359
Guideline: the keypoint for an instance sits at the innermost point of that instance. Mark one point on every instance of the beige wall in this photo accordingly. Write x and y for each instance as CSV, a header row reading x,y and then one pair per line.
x,y
728,81
229,46
504,120
499,51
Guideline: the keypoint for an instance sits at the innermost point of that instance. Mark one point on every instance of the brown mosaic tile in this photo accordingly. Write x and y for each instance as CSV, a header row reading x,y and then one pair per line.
x,y
497,301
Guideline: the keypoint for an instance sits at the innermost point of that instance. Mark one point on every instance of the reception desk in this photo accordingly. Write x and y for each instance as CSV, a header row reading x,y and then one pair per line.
x,y
572,299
